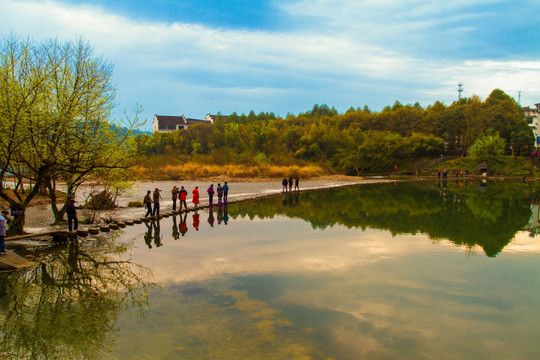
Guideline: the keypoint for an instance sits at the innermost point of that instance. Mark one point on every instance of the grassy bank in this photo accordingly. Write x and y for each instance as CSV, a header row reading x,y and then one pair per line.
x,y
498,165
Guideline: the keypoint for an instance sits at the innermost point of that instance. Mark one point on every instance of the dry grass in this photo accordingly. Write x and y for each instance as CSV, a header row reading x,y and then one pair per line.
x,y
192,170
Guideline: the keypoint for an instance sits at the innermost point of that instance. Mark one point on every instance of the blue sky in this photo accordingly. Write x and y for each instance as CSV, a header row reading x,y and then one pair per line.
x,y
199,57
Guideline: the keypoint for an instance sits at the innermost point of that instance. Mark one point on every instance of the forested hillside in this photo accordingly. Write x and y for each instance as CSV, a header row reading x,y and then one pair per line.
x,y
357,141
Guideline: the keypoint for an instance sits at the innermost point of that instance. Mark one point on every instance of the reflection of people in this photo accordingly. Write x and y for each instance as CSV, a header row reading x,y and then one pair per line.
x,y
71,212
196,220
148,203
183,225
3,231
174,193
211,216
219,214
148,236
210,192
157,235
183,197
196,197
157,197
225,215
175,233
225,192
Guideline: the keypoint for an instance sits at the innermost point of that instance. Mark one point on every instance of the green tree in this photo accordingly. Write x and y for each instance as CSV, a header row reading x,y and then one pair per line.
x,y
55,107
488,145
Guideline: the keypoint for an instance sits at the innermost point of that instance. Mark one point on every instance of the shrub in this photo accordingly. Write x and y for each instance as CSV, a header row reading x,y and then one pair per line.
x,y
100,201
137,203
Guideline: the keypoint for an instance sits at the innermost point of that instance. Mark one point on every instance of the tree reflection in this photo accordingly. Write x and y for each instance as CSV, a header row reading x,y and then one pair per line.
x,y
488,216
67,307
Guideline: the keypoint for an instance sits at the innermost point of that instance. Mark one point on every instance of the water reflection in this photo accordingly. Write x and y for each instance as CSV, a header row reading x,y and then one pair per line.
x,y
296,285
67,308
487,215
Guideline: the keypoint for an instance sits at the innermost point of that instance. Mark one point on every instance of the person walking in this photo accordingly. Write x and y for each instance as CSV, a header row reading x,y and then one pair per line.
x,y
196,197
284,183
210,192
3,231
290,183
183,196
174,193
71,212
219,193
225,192
296,184
156,198
148,203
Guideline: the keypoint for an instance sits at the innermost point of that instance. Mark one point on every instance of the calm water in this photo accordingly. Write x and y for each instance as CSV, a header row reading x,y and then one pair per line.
x,y
389,271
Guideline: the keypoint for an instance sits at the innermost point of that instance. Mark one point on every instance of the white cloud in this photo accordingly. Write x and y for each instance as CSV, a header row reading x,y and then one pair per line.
x,y
195,69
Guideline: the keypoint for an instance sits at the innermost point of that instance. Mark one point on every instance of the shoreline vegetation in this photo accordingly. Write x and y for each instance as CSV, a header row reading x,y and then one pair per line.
x,y
157,170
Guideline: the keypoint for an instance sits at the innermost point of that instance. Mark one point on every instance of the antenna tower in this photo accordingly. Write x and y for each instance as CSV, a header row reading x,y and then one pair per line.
x,y
459,90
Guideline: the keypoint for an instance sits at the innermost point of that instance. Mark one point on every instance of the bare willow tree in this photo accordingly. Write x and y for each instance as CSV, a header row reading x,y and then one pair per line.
x,y
55,110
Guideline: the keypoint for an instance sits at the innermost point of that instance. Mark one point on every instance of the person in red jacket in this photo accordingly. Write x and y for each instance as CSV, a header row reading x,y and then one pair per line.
x,y
196,197
183,196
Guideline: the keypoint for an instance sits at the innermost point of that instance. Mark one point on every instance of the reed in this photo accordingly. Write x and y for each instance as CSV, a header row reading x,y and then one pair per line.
x,y
192,170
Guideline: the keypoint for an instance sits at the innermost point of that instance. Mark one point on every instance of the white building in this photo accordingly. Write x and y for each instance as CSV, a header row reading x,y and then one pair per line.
x,y
532,116
165,123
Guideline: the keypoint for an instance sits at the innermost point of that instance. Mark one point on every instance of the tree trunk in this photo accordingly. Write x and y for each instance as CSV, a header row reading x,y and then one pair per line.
x,y
57,212
16,226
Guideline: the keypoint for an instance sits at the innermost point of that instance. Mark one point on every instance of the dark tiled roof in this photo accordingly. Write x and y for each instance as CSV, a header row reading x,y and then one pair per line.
x,y
171,120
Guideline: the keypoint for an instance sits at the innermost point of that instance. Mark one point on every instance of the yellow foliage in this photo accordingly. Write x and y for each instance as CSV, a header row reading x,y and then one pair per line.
x,y
191,170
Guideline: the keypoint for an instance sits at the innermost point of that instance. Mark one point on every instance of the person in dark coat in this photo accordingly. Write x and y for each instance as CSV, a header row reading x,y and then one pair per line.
x,y
219,193
71,211
174,193
284,183
157,197
148,203
210,192
290,183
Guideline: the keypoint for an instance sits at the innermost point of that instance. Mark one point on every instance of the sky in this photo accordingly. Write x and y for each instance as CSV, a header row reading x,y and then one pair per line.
x,y
203,57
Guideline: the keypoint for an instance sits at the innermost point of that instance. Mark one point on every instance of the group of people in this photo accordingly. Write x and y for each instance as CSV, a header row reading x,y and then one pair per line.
x,y
459,173
288,184
152,200
222,194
